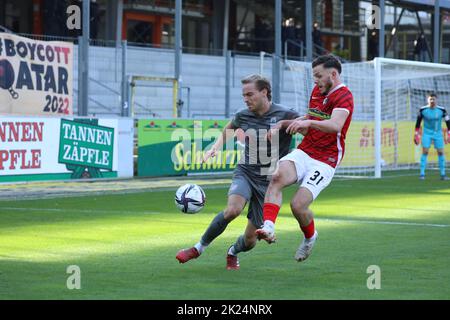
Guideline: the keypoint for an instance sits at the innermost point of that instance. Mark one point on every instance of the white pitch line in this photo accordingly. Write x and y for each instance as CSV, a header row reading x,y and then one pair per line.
x,y
79,210
153,212
387,222
23,196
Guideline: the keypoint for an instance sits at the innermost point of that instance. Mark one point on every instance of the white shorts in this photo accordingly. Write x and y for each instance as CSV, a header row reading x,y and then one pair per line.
x,y
312,174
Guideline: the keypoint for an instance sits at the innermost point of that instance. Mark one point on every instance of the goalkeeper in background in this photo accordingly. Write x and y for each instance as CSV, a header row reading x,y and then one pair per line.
x,y
432,115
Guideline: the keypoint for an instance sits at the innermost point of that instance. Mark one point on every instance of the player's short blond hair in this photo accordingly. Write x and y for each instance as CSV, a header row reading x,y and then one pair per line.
x,y
260,83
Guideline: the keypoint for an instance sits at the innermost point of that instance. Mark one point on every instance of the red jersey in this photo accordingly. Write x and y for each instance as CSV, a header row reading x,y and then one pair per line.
x,y
327,147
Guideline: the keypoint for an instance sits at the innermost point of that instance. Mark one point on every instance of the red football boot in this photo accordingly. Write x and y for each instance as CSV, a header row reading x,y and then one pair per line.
x,y
185,255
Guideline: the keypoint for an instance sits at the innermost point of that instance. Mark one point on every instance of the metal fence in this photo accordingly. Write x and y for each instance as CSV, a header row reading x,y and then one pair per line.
x,y
208,90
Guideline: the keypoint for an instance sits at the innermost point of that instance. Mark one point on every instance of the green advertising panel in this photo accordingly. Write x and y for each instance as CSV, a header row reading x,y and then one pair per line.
x,y
176,147
86,144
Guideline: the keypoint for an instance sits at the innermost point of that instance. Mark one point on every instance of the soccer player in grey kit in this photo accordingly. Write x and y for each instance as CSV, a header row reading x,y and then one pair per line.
x,y
250,178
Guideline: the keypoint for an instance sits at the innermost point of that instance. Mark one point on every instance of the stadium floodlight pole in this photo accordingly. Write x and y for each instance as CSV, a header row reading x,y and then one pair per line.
x,y
381,33
119,17
178,53
85,61
436,37
377,114
227,83
117,7
80,75
308,30
225,27
124,95
276,57
341,22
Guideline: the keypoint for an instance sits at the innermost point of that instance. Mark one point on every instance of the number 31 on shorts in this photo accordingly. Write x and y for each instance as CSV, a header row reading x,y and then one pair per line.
x,y
316,178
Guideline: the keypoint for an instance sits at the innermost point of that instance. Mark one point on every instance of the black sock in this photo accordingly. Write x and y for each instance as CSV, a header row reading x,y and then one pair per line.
x,y
216,227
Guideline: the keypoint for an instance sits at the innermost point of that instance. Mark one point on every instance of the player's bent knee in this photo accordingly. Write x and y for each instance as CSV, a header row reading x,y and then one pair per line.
x,y
279,180
299,206
232,212
276,179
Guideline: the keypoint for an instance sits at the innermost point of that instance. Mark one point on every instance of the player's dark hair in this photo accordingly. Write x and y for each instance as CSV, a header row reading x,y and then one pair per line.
x,y
260,83
328,61
432,95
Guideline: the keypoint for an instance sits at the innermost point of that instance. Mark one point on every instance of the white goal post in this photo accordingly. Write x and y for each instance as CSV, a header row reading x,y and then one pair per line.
x,y
388,94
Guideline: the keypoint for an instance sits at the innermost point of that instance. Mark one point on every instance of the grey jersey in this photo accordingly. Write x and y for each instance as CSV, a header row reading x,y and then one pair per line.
x,y
259,153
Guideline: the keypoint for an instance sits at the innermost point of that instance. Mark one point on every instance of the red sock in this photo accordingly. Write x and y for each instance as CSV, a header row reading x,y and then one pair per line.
x,y
270,211
308,230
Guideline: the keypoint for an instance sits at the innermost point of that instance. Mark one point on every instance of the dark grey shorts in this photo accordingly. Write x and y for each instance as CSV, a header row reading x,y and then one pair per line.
x,y
253,191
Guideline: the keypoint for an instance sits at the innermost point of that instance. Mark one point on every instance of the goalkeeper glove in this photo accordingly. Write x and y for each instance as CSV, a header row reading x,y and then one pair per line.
x,y
417,137
448,136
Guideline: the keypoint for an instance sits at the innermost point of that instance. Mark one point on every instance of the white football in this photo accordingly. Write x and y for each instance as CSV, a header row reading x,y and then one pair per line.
x,y
190,198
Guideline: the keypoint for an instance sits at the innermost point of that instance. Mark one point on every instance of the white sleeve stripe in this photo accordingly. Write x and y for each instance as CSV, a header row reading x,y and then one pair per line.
x,y
342,109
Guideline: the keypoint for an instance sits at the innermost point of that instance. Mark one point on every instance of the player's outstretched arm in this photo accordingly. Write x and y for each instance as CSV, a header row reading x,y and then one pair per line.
x,y
283,124
224,136
332,125
276,128
417,133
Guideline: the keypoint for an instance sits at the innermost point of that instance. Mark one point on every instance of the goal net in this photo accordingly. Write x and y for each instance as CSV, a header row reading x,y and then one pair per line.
x,y
388,94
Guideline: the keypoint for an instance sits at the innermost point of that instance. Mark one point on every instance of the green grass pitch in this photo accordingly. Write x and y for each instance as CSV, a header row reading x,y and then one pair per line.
x,y
125,246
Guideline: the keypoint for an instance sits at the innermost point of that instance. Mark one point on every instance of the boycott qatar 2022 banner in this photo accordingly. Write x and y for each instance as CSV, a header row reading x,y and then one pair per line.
x,y
36,77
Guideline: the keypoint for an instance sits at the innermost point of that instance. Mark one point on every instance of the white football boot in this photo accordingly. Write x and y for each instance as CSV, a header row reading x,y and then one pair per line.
x,y
267,232
305,248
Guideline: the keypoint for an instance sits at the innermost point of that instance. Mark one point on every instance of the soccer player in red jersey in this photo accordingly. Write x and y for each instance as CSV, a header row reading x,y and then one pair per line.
x,y
313,164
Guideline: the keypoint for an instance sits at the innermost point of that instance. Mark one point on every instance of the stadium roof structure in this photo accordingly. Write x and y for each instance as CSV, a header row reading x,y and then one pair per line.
x,y
422,4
